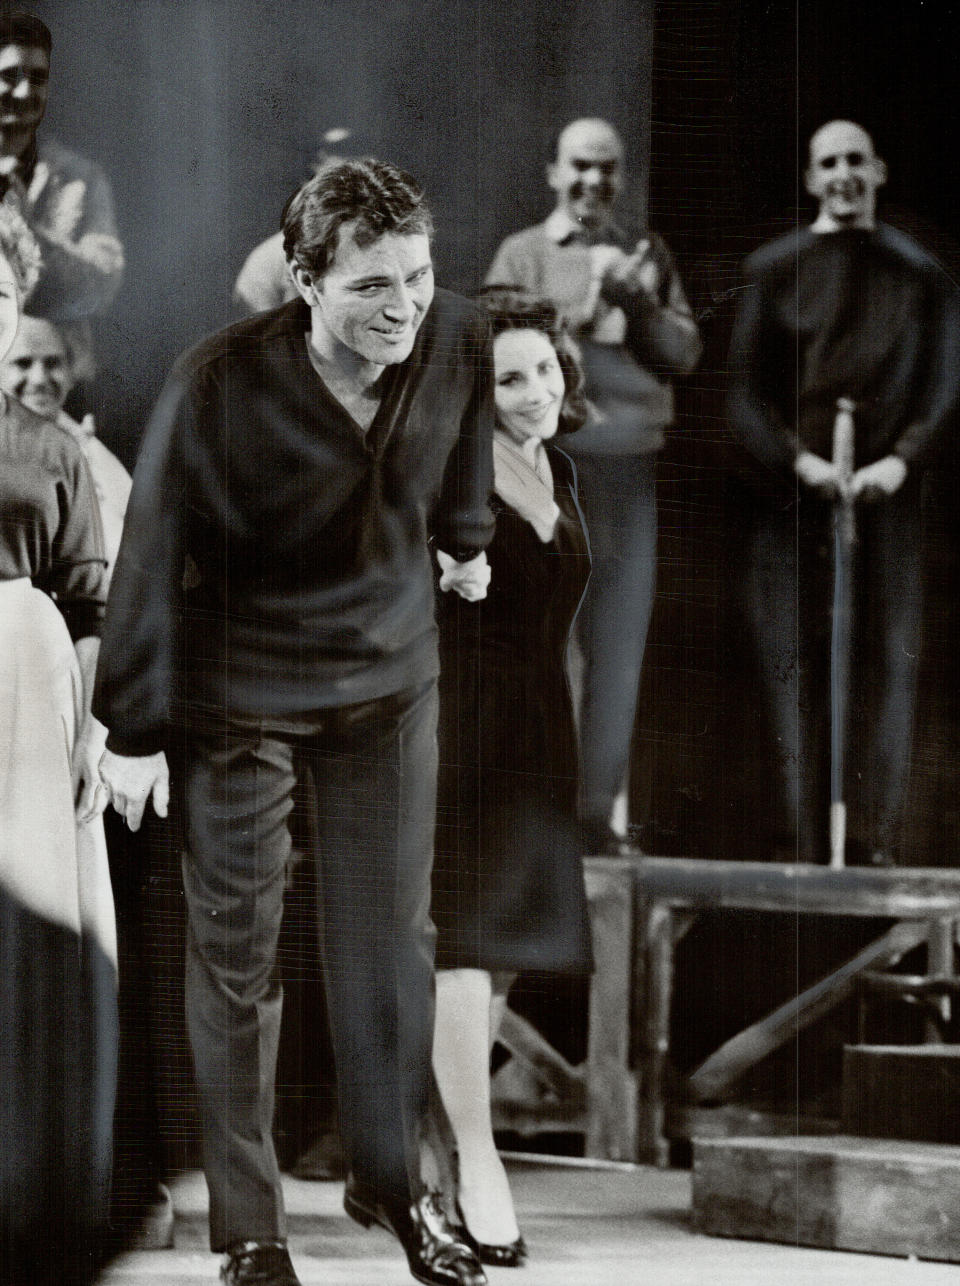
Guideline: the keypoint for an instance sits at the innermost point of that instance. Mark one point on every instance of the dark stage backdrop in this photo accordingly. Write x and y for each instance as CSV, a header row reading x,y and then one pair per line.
x,y
207,113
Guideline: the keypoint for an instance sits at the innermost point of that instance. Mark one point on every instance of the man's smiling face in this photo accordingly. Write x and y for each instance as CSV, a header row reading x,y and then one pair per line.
x,y
588,172
844,174
372,298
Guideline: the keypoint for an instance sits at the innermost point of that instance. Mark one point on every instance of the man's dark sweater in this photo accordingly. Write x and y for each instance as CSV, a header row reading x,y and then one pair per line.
x,y
866,315
275,557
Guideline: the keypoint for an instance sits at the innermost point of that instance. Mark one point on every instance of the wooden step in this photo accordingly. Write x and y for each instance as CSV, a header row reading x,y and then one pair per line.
x,y
837,1192
902,1092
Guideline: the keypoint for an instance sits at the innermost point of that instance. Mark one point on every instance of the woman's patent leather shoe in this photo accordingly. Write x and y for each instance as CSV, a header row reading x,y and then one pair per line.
x,y
512,1255
435,1254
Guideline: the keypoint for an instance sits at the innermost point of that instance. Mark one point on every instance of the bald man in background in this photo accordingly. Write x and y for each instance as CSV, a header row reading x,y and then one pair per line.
x,y
847,308
619,291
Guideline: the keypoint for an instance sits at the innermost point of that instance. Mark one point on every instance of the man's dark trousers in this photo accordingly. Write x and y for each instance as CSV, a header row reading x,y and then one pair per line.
x,y
619,501
375,767
789,584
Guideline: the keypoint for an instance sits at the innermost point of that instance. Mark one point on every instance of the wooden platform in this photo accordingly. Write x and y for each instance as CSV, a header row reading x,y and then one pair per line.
x,y
624,1227
623,1096
842,1193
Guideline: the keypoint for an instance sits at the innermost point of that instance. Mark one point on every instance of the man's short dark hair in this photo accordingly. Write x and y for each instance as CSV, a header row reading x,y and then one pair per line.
x,y
379,197
24,29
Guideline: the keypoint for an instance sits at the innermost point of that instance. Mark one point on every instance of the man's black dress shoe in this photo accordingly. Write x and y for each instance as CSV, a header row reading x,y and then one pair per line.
x,y
436,1256
512,1255
258,1263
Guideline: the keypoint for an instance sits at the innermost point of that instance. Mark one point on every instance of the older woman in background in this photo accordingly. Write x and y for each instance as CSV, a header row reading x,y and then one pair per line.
x,y
508,879
39,371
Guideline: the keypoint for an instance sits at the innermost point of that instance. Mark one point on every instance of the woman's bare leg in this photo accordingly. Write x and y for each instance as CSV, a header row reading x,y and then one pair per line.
x,y
461,1061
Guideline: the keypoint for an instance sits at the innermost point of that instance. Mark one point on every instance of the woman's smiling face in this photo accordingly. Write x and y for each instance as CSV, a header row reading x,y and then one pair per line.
x,y
529,384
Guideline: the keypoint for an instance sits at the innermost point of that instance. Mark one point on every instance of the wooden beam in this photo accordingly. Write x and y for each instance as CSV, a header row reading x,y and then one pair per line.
x,y
702,884
612,1120
878,1196
547,1065
715,1077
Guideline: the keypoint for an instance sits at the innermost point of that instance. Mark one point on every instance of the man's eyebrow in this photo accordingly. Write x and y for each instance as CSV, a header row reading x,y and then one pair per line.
x,y
377,278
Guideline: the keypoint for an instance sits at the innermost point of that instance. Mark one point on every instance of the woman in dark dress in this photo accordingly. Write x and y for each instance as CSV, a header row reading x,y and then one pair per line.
x,y
508,880
57,934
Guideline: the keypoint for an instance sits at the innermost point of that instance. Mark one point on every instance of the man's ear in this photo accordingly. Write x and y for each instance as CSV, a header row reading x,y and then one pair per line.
x,y
552,176
303,280
880,169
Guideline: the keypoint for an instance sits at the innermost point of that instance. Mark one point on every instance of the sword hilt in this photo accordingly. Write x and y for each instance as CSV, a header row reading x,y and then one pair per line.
x,y
843,456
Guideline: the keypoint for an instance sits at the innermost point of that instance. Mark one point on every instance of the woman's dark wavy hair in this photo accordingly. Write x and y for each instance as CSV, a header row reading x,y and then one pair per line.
x,y
512,309
380,197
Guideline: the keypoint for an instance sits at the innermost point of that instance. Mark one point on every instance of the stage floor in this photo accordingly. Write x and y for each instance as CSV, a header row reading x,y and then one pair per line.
x,y
585,1227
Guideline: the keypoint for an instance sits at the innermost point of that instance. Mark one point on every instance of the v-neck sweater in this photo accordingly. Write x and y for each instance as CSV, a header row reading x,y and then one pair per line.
x,y
309,578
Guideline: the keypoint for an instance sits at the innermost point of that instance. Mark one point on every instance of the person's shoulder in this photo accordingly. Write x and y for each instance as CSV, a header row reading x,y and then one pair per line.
x,y
781,252
65,162
454,307
453,334
40,437
564,469
452,317
268,252
264,279
525,241
242,340
105,465
901,245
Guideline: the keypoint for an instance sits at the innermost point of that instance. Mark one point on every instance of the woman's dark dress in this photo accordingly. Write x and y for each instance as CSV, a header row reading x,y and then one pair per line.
x,y
508,891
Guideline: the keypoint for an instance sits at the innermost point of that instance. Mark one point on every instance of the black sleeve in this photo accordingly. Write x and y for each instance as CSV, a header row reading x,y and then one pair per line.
x,y
138,671
77,579
753,417
464,522
937,406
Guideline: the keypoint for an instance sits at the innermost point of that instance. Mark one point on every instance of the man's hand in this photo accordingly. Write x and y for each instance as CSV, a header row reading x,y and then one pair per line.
x,y
818,474
469,580
880,479
132,779
91,793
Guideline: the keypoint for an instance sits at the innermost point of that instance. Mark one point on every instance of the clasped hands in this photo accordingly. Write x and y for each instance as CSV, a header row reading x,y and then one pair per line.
x,y
873,482
469,579
125,781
